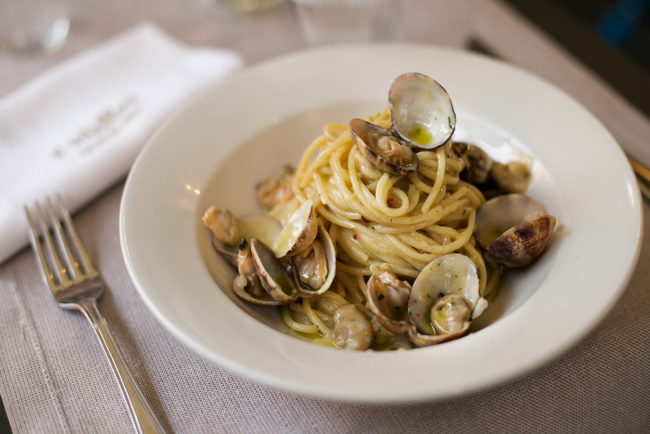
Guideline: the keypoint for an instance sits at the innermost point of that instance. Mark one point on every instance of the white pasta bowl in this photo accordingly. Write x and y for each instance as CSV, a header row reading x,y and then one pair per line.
x,y
219,146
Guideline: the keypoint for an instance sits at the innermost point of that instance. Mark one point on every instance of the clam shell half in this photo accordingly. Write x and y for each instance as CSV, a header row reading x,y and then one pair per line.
x,y
513,229
326,242
382,148
421,111
443,298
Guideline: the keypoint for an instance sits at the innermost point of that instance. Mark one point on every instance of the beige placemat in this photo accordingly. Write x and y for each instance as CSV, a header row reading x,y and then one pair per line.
x,y
53,376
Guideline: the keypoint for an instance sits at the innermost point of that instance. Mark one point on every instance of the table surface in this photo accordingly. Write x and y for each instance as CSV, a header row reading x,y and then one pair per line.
x,y
601,385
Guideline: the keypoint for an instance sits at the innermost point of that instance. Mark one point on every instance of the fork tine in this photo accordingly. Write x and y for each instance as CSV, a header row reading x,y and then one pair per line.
x,y
84,258
73,264
49,276
61,272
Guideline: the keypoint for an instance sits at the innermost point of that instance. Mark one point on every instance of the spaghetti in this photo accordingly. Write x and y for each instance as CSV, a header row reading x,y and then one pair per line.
x,y
376,218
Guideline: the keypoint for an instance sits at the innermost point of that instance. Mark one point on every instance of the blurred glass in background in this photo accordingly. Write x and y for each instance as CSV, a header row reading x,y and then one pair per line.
x,y
33,26
243,6
339,21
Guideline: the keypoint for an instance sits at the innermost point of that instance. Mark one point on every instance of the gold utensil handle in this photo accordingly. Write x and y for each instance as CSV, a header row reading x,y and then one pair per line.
x,y
643,175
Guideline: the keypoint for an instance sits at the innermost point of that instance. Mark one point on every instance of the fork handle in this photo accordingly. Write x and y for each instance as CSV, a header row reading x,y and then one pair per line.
x,y
143,418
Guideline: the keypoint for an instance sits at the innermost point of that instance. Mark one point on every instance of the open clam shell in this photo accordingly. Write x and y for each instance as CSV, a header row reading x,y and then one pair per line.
x,y
227,251
388,299
477,162
383,149
247,285
299,232
275,276
322,241
242,290
513,229
421,111
442,300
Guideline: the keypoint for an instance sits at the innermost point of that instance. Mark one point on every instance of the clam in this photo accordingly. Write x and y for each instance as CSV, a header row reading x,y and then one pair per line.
x,y
443,300
352,330
268,278
451,314
227,251
512,177
299,232
477,162
383,149
388,298
440,306
228,230
421,111
247,285
224,226
315,268
276,189
274,275
513,229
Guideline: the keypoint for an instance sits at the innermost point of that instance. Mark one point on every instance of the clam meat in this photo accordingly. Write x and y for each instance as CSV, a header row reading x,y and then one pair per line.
x,y
352,330
223,224
275,190
477,162
513,229
512,177
384,150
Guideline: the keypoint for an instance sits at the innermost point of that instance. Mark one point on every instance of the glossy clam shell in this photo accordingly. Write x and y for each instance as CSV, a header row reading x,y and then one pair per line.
x,y
227,251
389,306
330,255
246,296
447,274
421,111
299,232
513,229
425,340
273,274
365,134
522,244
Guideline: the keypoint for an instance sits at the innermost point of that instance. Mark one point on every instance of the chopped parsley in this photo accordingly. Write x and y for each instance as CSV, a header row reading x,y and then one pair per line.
x,y
449,120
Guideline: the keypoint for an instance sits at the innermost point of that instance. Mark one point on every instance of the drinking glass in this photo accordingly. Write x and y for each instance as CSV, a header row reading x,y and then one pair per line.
x,y
339,21
243,6
33,25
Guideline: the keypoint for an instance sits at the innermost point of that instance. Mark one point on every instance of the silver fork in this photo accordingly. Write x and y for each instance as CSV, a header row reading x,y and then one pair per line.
x,y
76,284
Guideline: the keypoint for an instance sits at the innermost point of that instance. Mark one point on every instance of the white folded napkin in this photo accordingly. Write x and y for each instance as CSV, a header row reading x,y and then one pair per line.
x,y
77,128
